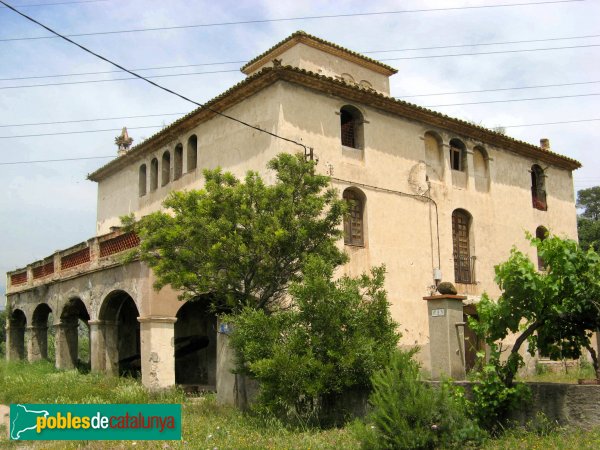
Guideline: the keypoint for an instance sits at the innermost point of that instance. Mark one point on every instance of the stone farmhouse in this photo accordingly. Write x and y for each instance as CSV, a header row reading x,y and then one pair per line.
x,y
433,197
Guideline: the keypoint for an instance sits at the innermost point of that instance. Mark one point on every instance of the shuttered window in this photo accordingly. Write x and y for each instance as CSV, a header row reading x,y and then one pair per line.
x,y
461,248
353,221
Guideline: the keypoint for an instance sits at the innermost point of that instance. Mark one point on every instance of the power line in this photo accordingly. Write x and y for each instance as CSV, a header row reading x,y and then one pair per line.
x,y
31,5
52,160
289,19
58,133
91,120
214,111
500,89
528,41
491,53
67,83
512,100
245,61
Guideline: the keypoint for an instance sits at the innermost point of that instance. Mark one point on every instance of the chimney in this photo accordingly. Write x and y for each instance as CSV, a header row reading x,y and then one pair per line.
x,y
545,143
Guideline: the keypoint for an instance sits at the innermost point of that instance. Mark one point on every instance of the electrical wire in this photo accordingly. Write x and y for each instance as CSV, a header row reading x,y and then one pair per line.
x,y
511,100
91,120
214,111
9,163
31,5
181,66
500,89
491,53
290,19
67,83
60,133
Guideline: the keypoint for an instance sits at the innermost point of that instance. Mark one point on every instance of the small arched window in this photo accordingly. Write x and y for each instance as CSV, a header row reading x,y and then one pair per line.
x,y
178,162
192,153
142,180
433,156
154,174
481,169
351,126
464,267
166,168
354,218
541,233
538,188
458,155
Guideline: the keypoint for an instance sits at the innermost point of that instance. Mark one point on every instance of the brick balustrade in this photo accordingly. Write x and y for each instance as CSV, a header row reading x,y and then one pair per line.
x,y
75,259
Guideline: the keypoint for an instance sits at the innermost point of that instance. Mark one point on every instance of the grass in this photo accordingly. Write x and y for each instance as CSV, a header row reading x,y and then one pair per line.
x,y
207,425
561,375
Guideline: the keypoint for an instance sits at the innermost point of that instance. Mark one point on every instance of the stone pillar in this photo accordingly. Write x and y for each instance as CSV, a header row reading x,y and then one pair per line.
x,y
110,333
15,342
97,345
470,169
226,379
157,336
37,343
446,336
66,341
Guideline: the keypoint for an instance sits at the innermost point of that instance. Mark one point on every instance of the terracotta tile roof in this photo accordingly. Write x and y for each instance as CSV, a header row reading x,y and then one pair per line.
x,y
269,75
301,36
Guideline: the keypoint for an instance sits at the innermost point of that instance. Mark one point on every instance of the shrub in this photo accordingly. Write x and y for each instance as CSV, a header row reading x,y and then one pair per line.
x,y
330,340
407,413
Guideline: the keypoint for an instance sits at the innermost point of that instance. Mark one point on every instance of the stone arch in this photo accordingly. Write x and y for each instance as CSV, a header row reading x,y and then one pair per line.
x,y
196,345
178,162
433,156
17,321
72,335
38,339
166,168
481,169
119,317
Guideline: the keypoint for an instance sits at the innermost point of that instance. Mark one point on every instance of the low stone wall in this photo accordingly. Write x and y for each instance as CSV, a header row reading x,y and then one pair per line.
x,y
568,404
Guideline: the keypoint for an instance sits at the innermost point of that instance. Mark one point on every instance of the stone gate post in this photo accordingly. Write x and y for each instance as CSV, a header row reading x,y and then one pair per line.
x,y
157,335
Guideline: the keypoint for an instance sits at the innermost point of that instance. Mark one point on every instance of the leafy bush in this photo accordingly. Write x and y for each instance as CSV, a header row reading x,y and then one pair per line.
x,y
331,339
409,414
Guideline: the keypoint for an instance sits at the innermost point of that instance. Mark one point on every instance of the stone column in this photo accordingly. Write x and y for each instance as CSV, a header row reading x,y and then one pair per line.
x,y
446,336
97,345
37,343
226,379
157,336
15,342
66,341
110,333
470,169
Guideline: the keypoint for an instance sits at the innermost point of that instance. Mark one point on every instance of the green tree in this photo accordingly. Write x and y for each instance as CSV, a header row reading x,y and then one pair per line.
x,y
588,222
555,311
332,338
243,242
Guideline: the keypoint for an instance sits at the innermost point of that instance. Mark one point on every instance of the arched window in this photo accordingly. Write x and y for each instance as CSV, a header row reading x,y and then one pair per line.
x,y
166,168
354,218
541,233
538,188
458,155
192,153
178,162
464,267
142,180
154,174
351,123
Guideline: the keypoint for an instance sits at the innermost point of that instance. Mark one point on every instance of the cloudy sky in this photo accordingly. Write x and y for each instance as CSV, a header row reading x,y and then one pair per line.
x,y
548,49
